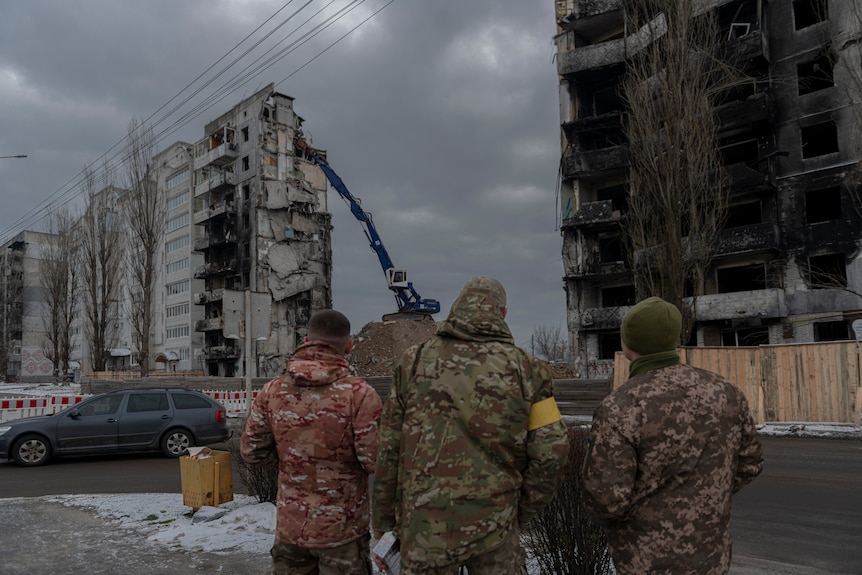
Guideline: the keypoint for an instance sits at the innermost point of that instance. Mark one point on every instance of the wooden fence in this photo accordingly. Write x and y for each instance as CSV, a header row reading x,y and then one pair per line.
x,y
813,382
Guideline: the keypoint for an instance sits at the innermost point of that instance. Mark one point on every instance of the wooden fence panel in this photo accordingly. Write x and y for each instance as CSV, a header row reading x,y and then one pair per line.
x,y
812,382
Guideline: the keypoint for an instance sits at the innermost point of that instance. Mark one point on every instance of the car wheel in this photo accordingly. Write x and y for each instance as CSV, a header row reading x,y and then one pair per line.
x,y
176,442
31,450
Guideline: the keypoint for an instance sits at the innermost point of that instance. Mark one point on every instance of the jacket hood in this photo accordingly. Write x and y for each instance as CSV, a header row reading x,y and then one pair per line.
x,y
316,363
476,316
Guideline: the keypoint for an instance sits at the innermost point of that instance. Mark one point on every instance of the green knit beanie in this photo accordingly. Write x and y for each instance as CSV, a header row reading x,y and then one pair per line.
x,y
653,325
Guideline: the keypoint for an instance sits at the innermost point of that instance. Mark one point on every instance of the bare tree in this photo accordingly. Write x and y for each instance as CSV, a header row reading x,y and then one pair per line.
x,y
549,342
678,190
59,275
847,44
144,210
101,264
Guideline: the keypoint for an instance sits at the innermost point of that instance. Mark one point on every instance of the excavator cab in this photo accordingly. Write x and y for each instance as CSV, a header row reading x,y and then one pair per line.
x,y
397,278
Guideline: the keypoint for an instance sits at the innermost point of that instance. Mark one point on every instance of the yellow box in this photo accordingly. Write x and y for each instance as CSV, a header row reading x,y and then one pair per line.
x,y
206,481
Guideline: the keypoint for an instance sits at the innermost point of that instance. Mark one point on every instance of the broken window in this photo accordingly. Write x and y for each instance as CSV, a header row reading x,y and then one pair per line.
x,y
245,134
617,195
746,214
827,271
609,345
819,139
745,337
823,205
245,163
739,151
741,278
809,12
831,331
816,74
619,296
610,249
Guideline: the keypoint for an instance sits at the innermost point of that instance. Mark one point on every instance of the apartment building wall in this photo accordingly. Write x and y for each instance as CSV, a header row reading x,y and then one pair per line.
x,y
176,346
790,140
265,229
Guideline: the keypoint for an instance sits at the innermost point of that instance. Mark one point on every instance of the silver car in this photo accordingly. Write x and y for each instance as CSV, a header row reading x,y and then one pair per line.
x,y
170,420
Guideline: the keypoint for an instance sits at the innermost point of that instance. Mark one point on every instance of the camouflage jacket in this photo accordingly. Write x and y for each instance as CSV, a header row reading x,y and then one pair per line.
x,y
668,450
319,425
458,469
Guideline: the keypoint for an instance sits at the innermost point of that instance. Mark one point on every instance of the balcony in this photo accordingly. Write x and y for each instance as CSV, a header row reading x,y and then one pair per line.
x,y
211,241
745,178
222,352
218,179
578,163
591,57
215,268
755,238
209,296
598,213
763,303
601,318
211,324
218,149
221,209
743,113
751,47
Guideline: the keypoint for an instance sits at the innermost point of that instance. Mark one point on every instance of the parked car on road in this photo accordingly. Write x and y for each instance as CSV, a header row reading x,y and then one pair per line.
x,y
170,420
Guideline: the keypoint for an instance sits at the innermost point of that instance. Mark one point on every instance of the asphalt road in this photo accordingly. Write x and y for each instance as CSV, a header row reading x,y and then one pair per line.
x,y
802,516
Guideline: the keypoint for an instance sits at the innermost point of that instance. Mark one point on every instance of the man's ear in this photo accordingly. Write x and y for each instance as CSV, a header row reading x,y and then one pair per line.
x,y
305,339
348,346
505,310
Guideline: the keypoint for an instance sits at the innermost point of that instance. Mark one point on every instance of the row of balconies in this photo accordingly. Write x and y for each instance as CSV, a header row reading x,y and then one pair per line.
x,y
744,48
765,303
222,352
763,237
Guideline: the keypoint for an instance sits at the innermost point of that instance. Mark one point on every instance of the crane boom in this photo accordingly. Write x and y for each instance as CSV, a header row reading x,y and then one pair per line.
x,y
410,303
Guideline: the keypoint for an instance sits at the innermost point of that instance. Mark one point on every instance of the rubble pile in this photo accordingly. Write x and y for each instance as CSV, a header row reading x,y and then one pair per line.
x,y
378,346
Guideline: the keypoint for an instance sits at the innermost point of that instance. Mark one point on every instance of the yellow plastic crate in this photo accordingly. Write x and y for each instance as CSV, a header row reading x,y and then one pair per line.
x,y
206,481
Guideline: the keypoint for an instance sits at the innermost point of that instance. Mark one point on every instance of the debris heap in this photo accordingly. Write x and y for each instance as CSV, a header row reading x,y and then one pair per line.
x,y
378,346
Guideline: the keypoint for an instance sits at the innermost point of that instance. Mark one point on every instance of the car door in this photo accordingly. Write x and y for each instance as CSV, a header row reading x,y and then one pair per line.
x,y
146,416
90,426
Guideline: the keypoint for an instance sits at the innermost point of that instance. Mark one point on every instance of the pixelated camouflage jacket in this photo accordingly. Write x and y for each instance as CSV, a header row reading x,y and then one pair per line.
x,y
458,469
319,424
669,448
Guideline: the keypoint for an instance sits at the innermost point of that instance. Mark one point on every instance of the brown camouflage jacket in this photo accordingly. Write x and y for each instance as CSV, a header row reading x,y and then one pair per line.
x,y
319,424
458,470
668,449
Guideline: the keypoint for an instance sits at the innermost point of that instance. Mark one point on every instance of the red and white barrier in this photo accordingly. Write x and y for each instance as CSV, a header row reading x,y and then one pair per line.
x,y
234,403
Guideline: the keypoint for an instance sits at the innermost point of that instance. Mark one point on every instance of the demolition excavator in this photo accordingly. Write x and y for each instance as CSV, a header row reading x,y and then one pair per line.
x,y
410,304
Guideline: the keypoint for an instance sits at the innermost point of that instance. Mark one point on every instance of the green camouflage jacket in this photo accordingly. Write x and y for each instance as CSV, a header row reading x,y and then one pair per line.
x,y
319,424
458,469
669,448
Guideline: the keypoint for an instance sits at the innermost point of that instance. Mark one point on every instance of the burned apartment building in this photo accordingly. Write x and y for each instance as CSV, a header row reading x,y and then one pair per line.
x,y
785,266
265,228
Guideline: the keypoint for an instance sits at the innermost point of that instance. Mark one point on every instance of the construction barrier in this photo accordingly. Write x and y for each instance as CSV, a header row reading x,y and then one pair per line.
x,y
20,407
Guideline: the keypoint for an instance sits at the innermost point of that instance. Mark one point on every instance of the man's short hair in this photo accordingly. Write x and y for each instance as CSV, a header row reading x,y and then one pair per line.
x,y
330,326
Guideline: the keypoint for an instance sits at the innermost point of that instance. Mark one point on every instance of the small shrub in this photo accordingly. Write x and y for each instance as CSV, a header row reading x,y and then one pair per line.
x,y
261,482
563,537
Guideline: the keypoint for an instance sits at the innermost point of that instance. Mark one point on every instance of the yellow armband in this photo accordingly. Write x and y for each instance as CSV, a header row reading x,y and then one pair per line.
x,y
543,413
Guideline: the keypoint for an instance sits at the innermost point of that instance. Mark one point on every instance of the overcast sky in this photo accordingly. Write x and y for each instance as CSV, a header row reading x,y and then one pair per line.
x,y
441,116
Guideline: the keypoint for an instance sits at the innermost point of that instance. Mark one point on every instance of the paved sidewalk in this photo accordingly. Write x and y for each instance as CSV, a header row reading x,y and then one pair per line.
x,y
43,538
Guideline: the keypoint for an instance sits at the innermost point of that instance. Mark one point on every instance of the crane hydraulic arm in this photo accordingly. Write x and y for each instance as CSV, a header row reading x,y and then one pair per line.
x,y
408,299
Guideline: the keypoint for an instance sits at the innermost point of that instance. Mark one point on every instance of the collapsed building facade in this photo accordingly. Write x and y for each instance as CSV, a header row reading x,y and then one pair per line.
x,y
265,229
785,267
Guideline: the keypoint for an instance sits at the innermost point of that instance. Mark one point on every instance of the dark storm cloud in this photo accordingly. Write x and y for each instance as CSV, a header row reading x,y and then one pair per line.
x,y
441,116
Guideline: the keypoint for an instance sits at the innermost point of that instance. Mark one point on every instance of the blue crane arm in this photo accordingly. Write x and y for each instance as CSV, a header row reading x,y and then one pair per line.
x,y
406,296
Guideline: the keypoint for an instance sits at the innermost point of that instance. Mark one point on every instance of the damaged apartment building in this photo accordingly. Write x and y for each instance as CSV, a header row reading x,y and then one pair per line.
x,y
785,266
265,228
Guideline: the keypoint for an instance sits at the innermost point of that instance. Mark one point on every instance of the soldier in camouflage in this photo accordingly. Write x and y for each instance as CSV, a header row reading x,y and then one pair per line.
x,y
319,425
668,450
472,444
